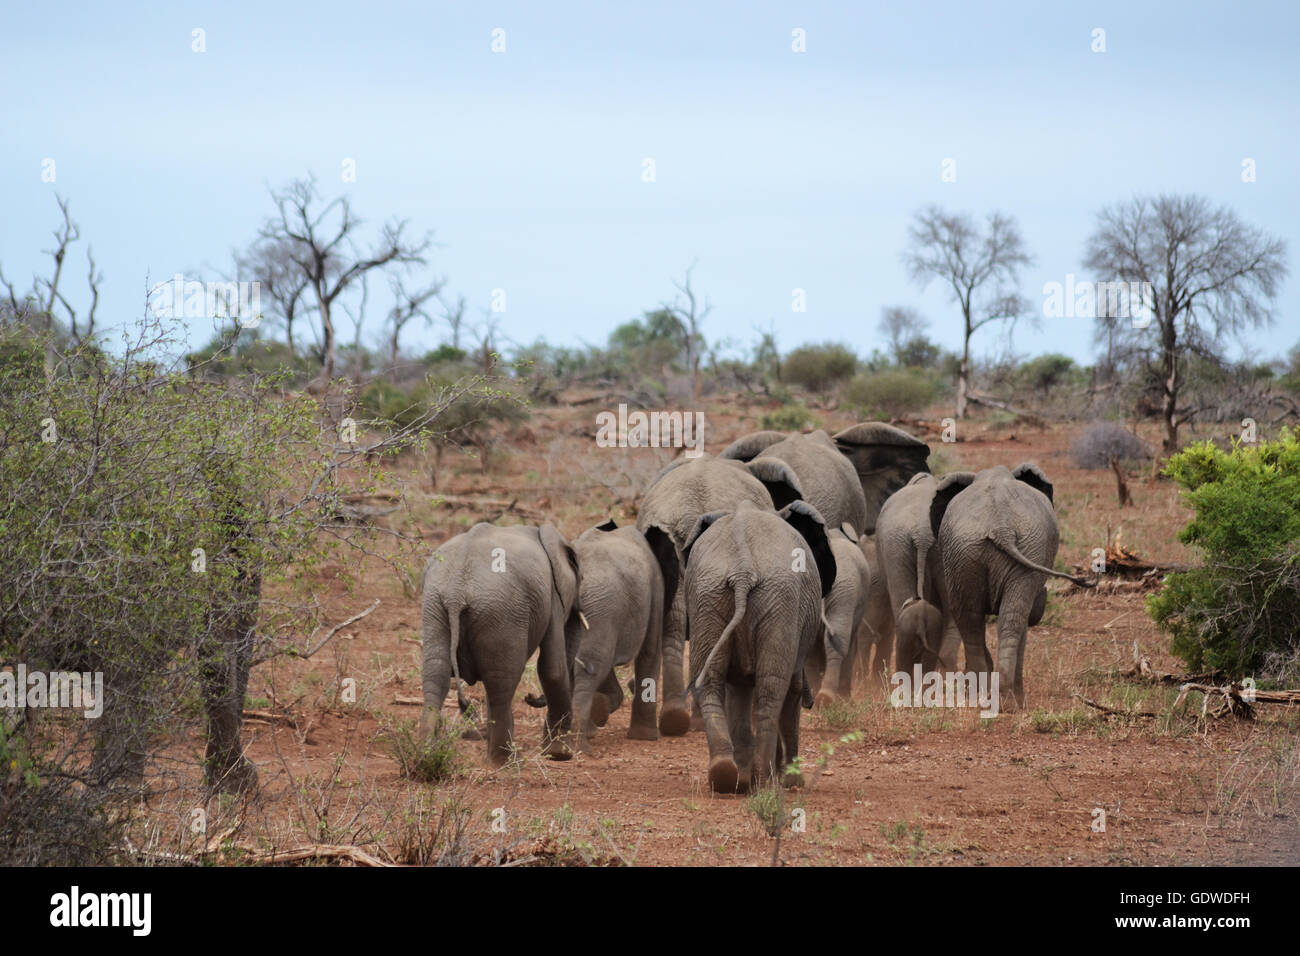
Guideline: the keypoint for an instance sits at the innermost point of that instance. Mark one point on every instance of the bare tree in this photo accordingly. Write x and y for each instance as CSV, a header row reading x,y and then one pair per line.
x,y
319,243
1206,275
687,310
408,305
269,262
38,307
455,316
899,324
981,267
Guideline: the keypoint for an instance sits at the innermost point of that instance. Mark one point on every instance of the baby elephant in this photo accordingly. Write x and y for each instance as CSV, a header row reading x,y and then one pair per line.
x,y
754,585
829,671
493,596
627,580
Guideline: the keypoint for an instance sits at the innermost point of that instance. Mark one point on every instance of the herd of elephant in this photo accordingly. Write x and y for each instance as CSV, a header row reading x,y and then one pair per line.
x,y
789,561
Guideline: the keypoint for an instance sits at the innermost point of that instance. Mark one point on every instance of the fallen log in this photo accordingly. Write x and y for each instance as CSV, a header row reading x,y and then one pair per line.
x,y
1111,710
317,851
500,505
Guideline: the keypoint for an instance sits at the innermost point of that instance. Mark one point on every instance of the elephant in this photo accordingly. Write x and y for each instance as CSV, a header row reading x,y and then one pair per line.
x,y
754,585
679,495
828,479
628,578
491,597
997,537
829,671
905,550
884,458
874,653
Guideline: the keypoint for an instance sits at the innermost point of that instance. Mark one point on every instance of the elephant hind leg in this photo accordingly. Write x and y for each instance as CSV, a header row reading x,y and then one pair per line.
x,y
724,771
500,722
644,689
608,699
788,750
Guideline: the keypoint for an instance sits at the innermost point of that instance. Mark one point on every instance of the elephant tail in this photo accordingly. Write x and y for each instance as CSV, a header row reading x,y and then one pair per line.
x,y
836,640
741,586
453,625
1007,545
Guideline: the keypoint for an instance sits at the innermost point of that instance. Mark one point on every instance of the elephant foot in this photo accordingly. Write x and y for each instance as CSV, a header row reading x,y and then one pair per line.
x,y
674,721
792,780
599,710
697,723
642,732
557,749
579,744
471,733
823,699
724,777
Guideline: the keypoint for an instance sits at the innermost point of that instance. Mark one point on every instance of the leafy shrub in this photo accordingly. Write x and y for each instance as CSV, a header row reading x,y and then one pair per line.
x,y
819,368
1102,441
1240,612
1045,372
789,418
428,759
888,394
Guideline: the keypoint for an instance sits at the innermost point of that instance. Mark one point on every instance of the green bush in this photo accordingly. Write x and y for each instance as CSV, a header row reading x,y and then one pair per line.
x,y
889,394
789,418
819,368
1240,611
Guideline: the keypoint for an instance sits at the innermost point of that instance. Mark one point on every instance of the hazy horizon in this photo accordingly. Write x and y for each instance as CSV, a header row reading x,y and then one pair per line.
x,y
775,170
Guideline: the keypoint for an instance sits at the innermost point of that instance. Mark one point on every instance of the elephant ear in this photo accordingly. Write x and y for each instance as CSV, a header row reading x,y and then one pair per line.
x,y
778,478
566,578
609,525
1033,476
805,519
885,458
665,552
702,524
749,446
948,488
850,532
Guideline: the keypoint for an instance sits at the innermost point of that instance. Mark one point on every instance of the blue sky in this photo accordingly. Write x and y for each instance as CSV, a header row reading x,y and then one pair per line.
x,y
775,170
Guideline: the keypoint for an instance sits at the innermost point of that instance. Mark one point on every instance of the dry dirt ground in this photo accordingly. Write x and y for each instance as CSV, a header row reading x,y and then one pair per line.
x,y
884,786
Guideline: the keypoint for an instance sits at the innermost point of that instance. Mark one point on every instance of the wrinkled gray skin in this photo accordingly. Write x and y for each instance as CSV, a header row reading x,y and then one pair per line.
x,y
830,672
754,585
997,536
493,596
627,580
683,492
914,575
827,478
875,638
884,458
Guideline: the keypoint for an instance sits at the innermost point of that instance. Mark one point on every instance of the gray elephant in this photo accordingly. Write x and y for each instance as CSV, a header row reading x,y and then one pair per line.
x,y
827,478
754,585
905,551
830,671
628,578
884,458
997,537
493,596
680,494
